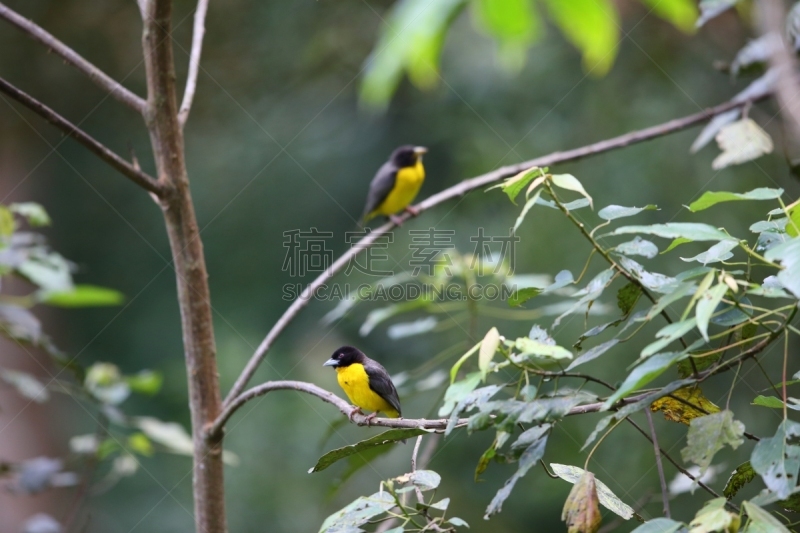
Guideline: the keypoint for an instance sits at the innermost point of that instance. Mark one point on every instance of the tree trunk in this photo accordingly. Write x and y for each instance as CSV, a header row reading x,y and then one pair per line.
x,y
166,136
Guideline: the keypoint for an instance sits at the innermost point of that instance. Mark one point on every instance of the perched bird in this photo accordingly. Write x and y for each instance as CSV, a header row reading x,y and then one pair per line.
x,y
365,382
396,184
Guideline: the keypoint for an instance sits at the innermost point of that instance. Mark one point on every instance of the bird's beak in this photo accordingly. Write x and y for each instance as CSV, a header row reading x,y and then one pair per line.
x,y
330,362
420,150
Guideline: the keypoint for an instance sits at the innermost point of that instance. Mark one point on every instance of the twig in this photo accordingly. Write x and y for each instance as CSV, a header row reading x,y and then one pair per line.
x,y
417,490
71,130
659,466
461,189
100,78
198,33
681,469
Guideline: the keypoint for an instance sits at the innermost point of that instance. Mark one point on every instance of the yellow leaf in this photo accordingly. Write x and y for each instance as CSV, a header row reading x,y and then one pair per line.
x,y
691,403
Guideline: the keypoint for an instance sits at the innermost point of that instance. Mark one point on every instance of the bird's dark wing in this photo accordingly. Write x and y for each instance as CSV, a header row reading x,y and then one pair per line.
x,y
381,383
380,187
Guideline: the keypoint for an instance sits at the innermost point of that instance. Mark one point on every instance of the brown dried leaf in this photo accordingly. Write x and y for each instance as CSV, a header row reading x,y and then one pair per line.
x,y
582,508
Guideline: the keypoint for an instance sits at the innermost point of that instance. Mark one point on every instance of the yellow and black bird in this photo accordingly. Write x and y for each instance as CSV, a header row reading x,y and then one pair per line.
x,y
365,382
396,184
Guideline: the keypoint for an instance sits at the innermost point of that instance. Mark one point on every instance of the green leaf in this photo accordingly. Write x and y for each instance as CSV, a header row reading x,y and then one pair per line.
x,y
651,280
676,242
638,246
740,477
49,271
659,525
710,198
515,184
712,8
627,297
643,374
378,316
593,353
139,443
673,230
607,498
461,360
27,385
794,218
411,41
34,213
708,435
486,458
403,330
456,521
685,367
680,13
145,382
768,401
174,437
473,399
527,207
740,142
788,254
669,334
706,305
713,517
104,382
527,460
457,391
83,296
7,222
777,461
537,351
568,181
425,479
719,252
358,513
761,521
591,292
592,26
613,212
521,296
489,345
514,24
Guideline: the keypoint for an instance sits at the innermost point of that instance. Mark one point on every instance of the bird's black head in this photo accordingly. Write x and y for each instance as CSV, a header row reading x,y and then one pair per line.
x,y
407,155
345,356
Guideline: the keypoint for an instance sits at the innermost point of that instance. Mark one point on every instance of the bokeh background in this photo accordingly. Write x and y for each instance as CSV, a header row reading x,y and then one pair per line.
x,y
277,141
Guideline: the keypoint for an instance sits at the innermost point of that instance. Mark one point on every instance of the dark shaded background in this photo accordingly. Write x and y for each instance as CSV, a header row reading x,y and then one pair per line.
x,y
276,141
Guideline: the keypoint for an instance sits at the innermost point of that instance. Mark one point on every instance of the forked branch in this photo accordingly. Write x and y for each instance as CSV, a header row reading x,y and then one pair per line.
x,y
71,130
100,78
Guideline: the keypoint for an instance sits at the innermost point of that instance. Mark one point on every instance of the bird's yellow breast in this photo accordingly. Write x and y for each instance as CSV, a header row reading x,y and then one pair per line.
x,y
355,382
406,186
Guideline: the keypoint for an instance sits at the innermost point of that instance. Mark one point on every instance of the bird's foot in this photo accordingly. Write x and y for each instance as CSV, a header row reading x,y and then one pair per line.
x,y
396,220
371,417
411,210
356,411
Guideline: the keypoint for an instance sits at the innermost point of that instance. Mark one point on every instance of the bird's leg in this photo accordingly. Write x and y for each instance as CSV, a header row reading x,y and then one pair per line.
x,y
356,410
396,220
413,211
371,417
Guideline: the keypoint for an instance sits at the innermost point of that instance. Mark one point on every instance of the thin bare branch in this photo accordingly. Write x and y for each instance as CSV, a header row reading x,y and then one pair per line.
x,y
456,191
127,169
659,466
194,59
215,429
100,78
